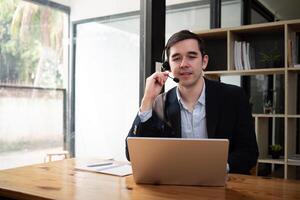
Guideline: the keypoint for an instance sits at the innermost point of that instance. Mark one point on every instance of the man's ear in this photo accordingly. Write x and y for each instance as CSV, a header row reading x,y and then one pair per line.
x,y
204,62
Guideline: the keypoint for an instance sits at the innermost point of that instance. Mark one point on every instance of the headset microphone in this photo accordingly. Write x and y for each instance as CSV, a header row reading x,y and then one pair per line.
x,y
164,67
176,80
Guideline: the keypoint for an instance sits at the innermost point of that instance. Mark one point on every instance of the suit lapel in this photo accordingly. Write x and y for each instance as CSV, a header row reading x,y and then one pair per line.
x,y
173,112
212,107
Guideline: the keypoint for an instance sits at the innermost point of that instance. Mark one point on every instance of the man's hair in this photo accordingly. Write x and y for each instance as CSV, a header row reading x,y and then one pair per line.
x,y
184,35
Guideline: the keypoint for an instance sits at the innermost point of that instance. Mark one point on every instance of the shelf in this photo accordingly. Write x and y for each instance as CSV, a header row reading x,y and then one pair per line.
x,y
294,163
268,115
247,72
293,23
213,33
293,69
254,28
293,116
231,53
271,161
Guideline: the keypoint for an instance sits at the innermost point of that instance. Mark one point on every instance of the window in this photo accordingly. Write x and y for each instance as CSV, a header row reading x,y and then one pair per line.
x,y
257,18
33,81
106,84
231,13
192,15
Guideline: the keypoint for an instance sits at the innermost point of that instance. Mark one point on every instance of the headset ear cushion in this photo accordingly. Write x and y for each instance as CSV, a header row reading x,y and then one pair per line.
x,y
166,66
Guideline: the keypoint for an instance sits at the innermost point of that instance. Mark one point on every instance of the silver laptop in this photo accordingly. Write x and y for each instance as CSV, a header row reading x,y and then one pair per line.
x,y
178,161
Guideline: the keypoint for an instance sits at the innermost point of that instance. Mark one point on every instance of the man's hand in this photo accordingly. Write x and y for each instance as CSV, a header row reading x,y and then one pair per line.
x,y
154,84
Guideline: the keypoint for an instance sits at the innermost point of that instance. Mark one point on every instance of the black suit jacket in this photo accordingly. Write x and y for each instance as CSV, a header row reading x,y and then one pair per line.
x,y
228,115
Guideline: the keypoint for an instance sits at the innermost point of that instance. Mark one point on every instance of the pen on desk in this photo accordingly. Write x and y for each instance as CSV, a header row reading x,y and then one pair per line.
x,y
99,164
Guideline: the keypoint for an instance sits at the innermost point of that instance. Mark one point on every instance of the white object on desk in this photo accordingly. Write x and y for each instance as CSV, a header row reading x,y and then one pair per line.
x,y
106,167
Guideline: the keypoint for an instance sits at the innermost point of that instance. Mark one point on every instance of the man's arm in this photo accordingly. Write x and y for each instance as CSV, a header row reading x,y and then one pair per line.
x,y
148,127
245,151
154,84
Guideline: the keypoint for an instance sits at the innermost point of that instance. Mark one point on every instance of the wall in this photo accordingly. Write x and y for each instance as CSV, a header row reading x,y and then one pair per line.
x,y
283,10
30,115
85,9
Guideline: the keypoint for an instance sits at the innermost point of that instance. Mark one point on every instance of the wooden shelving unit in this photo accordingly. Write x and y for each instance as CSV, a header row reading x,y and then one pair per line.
x,y
247,72
278,37
268,115
272,161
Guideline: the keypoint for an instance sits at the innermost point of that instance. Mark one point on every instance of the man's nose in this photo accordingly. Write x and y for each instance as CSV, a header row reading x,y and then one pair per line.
x,y
184,62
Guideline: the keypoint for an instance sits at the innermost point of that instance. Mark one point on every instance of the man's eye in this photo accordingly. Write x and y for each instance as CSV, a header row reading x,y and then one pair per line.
x,y
176,59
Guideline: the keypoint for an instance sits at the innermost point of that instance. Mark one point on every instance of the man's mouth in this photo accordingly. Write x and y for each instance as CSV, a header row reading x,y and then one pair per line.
x,y
185,73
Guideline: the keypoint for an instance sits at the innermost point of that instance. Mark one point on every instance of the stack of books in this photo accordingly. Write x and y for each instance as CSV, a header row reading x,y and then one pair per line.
x,y
243,55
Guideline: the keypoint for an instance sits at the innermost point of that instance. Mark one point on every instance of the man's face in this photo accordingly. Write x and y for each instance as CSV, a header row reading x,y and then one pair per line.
x,y
187,62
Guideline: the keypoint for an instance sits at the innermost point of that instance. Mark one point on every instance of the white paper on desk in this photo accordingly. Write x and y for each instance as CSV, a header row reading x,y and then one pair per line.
x,y
117,169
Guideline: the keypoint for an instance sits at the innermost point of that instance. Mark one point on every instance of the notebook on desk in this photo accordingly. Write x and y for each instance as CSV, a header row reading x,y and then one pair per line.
x,y
178,161
104,166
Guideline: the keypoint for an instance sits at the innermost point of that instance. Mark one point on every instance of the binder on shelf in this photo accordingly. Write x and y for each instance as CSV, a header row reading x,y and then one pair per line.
x,y
239,56
294,55
246,59
243,60
297,51
247,55
235,55
243,52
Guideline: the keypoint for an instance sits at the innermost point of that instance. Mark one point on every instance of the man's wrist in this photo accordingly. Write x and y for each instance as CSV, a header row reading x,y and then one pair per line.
x,y
146,104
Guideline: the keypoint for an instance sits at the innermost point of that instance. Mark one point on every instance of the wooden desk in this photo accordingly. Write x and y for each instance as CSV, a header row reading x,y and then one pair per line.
x,y
59,180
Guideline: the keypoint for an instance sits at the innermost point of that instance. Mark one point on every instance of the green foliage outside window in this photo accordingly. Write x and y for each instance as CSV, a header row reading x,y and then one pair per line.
x,y
31,44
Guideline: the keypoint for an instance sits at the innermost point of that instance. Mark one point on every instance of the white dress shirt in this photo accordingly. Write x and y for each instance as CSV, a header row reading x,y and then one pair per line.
x,y
193,124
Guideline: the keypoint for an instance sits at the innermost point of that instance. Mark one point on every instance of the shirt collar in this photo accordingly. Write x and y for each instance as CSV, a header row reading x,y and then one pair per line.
x,y
201,99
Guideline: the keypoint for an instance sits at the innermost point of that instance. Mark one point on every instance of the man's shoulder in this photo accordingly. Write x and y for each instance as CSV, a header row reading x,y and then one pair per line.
x,y
222,87
228,96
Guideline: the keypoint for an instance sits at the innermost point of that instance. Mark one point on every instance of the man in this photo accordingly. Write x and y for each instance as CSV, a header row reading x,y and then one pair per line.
x,y
197,107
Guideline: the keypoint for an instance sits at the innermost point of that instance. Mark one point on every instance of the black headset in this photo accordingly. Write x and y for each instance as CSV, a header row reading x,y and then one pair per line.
x,y
165,65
